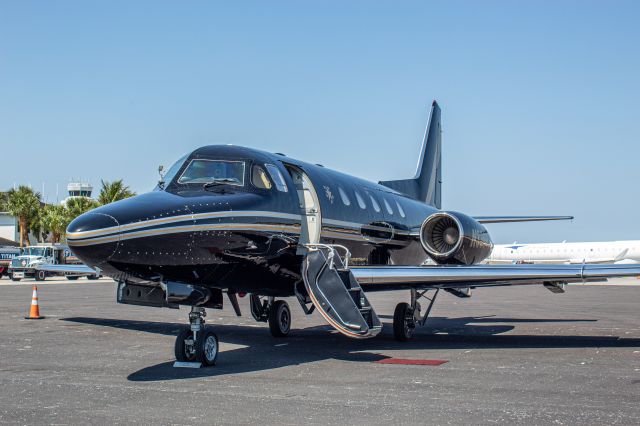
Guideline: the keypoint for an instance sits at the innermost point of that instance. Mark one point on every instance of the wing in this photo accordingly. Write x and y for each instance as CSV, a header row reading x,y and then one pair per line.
x,y
68,269
383,278
508,219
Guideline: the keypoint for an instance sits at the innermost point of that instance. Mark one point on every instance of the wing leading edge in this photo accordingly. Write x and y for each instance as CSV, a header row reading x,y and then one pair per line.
x,y
511,219
383,278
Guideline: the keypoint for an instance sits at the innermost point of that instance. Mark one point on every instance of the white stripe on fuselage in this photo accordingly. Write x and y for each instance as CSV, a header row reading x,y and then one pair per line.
x,y
137,229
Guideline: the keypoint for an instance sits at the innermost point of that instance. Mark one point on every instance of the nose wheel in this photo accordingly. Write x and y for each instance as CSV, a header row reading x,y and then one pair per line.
x,y
197,343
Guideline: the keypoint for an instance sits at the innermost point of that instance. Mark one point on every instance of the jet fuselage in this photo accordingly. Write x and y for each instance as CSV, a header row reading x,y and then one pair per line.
x,y
245,233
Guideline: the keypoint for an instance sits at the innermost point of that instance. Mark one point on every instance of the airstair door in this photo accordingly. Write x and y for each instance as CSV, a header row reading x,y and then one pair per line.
x,y
309,208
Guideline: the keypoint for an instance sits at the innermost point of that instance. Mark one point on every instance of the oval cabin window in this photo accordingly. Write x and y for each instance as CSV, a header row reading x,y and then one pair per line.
x,y
360,200
343,196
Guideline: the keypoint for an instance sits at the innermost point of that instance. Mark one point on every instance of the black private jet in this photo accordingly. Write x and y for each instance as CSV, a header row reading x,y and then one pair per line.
x,y
234,220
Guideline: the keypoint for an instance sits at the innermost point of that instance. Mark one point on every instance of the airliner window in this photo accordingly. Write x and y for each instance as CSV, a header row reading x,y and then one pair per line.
x,y
400,209
375,204
218,171
387,206
277,177
361,202
344,197
259,178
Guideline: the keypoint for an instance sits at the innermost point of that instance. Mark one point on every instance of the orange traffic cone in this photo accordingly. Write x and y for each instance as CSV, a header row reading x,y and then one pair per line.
x,y
34,313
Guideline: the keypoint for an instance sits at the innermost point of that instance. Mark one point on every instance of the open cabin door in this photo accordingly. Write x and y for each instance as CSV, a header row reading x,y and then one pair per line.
x,y
309,208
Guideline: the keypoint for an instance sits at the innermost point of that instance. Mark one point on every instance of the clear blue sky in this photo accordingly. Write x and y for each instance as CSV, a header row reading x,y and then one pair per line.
x,y
540,101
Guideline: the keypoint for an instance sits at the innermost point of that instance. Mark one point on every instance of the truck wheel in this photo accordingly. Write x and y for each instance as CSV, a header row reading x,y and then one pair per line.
x,y
15,279
92,277
41,275
72,278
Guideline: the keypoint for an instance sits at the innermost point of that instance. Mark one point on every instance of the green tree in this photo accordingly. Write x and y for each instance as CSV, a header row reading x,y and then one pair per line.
x,y
114,191
55,219
77,205
23,203
3,201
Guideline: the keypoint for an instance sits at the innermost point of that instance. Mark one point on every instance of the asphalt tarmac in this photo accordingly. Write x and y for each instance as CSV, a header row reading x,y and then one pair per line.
x,y
520,355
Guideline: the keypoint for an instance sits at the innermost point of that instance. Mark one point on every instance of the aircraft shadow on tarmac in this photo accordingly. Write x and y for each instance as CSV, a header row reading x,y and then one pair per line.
x,y
261,351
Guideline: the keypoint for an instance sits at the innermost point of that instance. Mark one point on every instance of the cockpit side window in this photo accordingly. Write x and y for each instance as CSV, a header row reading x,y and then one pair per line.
x,y
225,172
173,170
274,172
259,178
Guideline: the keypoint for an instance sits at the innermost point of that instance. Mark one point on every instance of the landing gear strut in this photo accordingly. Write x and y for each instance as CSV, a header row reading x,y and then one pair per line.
x,y
276,313
197,343
407,316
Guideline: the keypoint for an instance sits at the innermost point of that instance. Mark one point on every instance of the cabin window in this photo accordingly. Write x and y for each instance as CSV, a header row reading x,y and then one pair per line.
x,y
400,209
259,178
343,195
277,177
206,171
360,200
375,204
387,206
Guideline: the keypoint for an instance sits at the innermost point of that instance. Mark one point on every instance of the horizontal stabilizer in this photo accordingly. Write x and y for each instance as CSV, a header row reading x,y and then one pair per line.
x,y
508,219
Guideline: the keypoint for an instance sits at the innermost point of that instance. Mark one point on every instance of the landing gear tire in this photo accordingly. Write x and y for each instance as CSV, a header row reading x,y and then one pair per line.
x,y
279,319
207,348
403,322
41,275
183,351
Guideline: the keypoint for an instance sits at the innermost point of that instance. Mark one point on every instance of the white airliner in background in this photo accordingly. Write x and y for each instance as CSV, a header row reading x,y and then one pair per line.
x,y
597,252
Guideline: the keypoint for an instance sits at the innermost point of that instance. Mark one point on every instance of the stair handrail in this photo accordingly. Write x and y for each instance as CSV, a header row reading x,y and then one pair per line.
x,y
332,252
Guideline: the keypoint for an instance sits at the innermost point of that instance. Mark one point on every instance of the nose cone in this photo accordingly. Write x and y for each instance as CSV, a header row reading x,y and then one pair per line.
x,y
94,237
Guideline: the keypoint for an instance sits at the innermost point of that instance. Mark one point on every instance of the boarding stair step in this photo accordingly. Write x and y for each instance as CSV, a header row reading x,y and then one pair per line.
x,y
337,295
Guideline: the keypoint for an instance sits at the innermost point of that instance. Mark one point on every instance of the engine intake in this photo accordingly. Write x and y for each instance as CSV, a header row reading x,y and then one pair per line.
x,y
455,238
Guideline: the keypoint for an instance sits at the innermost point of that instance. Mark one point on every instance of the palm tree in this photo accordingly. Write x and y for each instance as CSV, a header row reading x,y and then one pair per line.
x,y
77,205
3,201
55,219
23,203
114,191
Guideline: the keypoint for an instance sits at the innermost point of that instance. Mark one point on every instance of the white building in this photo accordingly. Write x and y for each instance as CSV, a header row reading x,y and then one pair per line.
x,y
9,227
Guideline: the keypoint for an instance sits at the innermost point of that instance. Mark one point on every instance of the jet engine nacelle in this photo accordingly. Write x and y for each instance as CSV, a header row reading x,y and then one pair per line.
x,y
455,238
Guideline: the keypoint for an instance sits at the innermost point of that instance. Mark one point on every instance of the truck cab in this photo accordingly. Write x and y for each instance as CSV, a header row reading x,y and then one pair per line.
x,y
25,264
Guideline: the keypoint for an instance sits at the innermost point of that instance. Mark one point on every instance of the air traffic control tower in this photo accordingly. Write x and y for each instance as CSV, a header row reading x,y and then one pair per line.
x,y
78,189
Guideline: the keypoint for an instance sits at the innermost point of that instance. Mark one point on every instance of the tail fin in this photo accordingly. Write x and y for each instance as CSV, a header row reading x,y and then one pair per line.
x,y
426,186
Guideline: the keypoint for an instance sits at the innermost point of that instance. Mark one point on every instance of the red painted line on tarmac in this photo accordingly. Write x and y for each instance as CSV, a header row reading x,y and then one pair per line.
x,y
434,362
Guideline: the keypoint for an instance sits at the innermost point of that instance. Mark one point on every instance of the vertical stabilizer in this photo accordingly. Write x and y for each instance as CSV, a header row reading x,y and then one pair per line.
x,y
426,185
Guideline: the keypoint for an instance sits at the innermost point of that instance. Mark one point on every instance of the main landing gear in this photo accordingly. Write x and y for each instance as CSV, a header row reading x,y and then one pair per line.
x,y
407,316
275,312
197,343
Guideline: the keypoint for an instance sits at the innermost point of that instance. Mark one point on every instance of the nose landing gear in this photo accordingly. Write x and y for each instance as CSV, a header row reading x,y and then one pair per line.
x,y
197,344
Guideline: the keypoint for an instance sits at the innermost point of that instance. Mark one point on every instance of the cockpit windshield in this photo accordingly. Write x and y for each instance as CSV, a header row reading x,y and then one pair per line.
x,y
173,170
214,171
